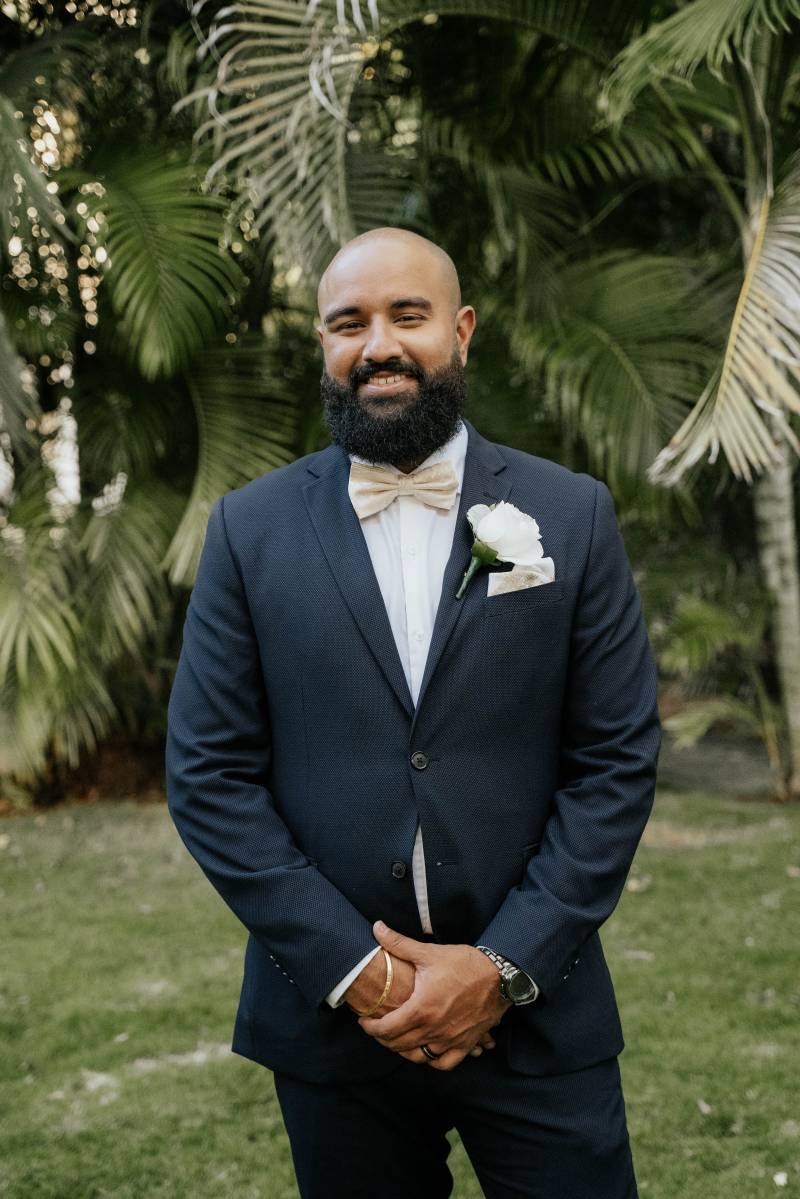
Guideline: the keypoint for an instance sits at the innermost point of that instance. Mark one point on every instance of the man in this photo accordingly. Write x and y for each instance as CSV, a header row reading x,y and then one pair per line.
x,y
351,744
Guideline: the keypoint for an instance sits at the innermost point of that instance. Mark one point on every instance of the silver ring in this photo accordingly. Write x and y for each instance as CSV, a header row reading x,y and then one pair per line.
x,y
430,1055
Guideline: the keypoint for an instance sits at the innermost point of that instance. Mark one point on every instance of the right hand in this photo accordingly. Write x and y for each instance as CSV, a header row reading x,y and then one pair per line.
x,y
369,984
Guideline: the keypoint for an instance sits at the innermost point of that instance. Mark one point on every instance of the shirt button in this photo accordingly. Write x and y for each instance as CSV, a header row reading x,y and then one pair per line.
x,y
399,869
418,634
419,760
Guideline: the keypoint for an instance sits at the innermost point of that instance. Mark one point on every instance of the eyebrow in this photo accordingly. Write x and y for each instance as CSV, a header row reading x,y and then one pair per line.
x,y
406,302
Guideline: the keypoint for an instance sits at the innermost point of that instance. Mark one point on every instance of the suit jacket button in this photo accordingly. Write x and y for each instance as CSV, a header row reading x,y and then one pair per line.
x,y
399,869
419,759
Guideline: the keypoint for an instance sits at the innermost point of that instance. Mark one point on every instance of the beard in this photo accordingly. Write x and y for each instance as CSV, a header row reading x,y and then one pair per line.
x,y
420,425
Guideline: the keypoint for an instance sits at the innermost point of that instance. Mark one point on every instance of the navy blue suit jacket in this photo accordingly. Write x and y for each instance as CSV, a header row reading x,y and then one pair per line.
x,y
289,767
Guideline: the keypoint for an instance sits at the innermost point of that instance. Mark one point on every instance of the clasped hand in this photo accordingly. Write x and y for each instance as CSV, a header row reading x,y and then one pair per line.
x,y
455,1002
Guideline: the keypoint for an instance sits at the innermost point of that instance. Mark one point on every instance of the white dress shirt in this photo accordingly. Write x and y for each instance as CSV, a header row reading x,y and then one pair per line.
x,y
409,544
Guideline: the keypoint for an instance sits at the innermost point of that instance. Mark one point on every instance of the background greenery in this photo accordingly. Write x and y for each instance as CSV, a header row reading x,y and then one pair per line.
x,y
620,192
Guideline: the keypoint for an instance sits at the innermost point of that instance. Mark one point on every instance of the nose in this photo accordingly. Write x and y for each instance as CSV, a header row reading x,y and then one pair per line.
x,y
382,342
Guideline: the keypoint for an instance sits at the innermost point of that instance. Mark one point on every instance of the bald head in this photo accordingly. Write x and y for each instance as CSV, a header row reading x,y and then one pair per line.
x,y
402,249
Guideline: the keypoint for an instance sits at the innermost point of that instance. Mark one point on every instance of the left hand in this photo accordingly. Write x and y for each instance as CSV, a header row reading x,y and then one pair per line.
x,y
456,1000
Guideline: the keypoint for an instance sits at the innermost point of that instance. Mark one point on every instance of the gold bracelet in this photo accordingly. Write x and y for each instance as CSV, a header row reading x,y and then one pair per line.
x,y
386,989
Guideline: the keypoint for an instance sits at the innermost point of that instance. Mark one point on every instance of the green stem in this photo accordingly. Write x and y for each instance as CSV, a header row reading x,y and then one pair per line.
x,y
468,573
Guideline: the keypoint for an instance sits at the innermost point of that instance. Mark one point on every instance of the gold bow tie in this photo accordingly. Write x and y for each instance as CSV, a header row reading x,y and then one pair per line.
x,y
372,488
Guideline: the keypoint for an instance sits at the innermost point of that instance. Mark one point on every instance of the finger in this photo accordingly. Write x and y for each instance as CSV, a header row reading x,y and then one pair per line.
x,y
449,1059
402,1021
402,947
401,1044
477,1051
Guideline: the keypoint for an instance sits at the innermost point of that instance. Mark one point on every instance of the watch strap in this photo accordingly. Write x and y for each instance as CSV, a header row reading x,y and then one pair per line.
x,y
508,971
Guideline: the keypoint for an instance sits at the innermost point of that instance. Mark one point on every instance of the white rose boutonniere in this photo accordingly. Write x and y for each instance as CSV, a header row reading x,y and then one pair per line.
x,y
504,534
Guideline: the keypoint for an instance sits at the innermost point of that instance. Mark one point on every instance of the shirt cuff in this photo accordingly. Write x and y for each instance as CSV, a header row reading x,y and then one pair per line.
x,y
336,997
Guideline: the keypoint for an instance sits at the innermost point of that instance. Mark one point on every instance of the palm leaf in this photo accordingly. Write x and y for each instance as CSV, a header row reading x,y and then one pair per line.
x,y
124,589
54,60
281,99
68,712
247,417
170,283
701,630
697,718
632,342
18,397
39,626
21,177
701,31
761,364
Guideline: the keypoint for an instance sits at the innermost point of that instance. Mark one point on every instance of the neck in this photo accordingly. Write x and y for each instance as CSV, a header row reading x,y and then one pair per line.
x,y
407,467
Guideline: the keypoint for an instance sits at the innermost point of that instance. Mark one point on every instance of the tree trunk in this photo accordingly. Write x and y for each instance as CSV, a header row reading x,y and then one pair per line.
x,y
776,528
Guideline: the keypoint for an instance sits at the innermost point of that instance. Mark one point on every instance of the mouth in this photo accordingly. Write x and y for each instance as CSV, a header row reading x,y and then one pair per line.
x,y
386,385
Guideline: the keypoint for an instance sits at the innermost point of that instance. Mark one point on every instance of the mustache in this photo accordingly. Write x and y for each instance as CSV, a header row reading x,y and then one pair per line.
x,y
362,374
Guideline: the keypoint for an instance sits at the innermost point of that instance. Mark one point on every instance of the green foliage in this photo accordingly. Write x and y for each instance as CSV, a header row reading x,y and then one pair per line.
x,y
702,31
598,254
169,281
247,419
173,401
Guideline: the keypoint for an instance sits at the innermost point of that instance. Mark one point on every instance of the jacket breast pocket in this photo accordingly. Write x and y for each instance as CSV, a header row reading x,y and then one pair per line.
x,y
529,599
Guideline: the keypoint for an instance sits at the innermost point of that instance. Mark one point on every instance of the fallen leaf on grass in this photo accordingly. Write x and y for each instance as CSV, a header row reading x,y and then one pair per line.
x,y
638,882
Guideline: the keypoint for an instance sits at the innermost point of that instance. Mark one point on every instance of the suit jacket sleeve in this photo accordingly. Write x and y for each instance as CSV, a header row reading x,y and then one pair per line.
x,y
217,768
610,742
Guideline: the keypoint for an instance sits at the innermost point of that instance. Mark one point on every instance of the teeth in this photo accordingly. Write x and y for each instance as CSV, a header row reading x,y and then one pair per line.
x,y
388,379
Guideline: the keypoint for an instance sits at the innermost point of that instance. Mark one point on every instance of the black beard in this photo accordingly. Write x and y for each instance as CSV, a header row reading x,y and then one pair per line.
x,y
420,426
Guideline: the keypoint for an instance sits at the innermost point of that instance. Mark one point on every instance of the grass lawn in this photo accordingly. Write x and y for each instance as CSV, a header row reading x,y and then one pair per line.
x,y
120,977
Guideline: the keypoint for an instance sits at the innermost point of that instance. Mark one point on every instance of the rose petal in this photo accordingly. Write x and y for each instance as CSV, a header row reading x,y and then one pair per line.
x,y
475,515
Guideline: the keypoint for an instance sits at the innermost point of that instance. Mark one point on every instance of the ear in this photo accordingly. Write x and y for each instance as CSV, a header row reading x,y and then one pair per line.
x,y
465,326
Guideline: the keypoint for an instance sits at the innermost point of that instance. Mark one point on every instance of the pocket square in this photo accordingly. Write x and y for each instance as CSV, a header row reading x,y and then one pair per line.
x,y
521,577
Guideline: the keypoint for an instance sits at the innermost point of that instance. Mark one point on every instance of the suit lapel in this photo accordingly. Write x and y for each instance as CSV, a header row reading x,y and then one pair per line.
x,y
345,547
486,480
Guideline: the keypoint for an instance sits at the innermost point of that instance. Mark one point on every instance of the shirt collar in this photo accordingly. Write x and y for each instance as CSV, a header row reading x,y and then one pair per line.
x,y
455,449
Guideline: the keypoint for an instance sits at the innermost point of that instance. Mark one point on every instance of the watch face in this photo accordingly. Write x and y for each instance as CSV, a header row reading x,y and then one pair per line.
x,y
519,987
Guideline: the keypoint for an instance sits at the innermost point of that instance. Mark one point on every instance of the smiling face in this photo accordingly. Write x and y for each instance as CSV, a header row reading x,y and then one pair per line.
x,y
395,340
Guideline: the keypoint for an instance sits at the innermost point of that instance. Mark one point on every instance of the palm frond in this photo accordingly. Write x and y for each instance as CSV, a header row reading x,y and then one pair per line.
x,y
68,713
53,60
633,339
760,368
23,187
124,589
126,426
697,718
701,630
170,282
18,397
701,31
280,103
247,418
39,626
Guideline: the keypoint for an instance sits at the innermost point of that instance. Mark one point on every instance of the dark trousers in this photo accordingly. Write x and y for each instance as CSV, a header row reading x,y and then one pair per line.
x,y
559,1137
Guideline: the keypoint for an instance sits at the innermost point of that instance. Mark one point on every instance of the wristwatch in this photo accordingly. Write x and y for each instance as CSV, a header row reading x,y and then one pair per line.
x,y
515,985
